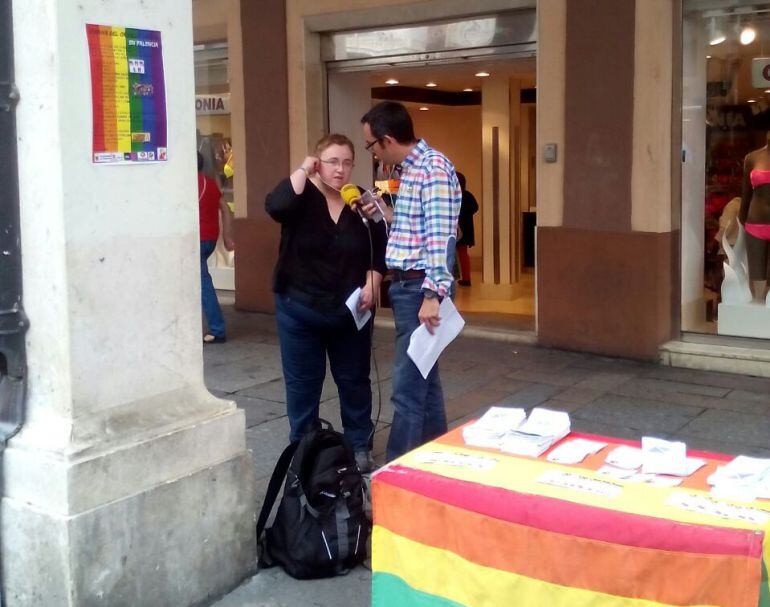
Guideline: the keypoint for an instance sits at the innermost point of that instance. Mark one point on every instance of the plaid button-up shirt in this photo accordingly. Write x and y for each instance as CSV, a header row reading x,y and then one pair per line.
x,y
425,218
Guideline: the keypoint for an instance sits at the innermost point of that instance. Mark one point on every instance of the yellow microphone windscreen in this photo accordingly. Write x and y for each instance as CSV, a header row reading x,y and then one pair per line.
x,y
350,193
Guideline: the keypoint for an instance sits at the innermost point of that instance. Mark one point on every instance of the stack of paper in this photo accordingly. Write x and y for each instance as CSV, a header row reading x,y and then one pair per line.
x,y
743,479
541,430
657,456
667,457
490,429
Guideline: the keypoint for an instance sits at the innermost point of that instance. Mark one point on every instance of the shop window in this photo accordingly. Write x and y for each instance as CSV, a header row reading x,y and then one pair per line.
x,y
214,137
726,117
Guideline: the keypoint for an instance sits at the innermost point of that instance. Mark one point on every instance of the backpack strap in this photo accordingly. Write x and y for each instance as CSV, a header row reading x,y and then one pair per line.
x,y
279,473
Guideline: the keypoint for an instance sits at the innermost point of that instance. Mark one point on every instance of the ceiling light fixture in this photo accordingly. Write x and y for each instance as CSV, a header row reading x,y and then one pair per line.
x,y
423,108
391,81
467,90
749,101
716,36
767,90
482,74
748,35
431,84
708,56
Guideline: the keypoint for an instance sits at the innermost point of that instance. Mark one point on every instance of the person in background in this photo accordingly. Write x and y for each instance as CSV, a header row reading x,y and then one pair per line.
x,y
466,236
212,206
326,253
419,257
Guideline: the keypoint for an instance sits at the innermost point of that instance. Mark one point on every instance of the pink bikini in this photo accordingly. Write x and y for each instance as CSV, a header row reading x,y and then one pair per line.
x,y
759,230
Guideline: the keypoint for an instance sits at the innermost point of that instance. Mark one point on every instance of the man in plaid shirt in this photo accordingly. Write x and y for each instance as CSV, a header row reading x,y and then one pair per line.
x,y
419,257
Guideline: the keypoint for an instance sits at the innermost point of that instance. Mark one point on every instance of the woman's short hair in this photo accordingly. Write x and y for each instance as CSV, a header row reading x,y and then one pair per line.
x,y
334,139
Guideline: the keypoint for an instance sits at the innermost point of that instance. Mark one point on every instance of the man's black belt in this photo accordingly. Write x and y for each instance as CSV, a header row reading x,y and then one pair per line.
x,y
406,274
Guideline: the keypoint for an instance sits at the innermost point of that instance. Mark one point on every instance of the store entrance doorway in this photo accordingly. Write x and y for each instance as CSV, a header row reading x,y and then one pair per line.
x,y
482,115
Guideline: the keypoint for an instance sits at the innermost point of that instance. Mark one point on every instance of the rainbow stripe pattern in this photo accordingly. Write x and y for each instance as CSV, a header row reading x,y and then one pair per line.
x,y
128,94
448,534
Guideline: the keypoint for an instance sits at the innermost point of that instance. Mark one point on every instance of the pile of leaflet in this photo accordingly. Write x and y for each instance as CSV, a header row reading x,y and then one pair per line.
x,y
509,430
493,426
744,479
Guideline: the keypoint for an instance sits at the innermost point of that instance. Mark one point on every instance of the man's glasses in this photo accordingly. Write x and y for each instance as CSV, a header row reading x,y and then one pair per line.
x,y
370,144
336,163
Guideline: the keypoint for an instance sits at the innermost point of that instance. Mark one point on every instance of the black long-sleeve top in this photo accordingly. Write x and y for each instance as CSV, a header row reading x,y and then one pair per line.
x,y
319,262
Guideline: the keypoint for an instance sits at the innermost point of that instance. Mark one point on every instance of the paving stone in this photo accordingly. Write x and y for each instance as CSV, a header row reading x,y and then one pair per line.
x,y
602,381
745,395
741,429
529,396
593,426
275,390
614,365
663,387
638,414
577,396
258,410
711,378
265,588
715,445
240,374
559,377
654,391
481,398
561,405
238,349
266,443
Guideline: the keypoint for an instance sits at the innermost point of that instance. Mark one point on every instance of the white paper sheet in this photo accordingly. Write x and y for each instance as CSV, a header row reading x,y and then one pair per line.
x,y
575,451
424,348
663,457
493,426
360,317
628,458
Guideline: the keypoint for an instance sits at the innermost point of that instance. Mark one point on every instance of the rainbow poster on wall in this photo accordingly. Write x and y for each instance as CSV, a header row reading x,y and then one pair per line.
x,y
128,95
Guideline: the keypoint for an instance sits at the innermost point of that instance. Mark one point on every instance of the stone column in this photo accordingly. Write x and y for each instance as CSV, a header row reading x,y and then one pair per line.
x,y
129,484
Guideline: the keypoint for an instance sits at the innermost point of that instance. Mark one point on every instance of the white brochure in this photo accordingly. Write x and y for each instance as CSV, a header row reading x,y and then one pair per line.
x,y
360,317
575,451
424,348
667,457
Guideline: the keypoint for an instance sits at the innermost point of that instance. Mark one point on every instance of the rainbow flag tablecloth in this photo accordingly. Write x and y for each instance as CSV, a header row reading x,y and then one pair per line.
x,y
456,526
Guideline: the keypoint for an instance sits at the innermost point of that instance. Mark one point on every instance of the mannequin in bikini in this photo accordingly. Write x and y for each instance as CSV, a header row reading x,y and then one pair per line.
x,y
755,216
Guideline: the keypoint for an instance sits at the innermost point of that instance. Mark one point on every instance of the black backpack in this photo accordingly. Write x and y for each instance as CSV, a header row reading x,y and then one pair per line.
x,y
320,529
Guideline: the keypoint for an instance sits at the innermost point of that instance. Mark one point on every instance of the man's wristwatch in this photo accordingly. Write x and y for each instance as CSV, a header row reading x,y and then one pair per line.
x,y
428,294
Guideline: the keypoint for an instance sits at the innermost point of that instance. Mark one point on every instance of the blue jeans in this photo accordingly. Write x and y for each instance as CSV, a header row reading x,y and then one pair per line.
x,y
209,301
418,403
306,337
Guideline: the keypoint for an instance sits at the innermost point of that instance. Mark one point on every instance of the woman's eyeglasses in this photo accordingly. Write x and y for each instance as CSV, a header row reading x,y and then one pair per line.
x,y
336,162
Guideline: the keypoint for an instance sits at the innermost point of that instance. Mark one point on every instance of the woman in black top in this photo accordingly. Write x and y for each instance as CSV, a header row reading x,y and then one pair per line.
x,y
467,237
326,253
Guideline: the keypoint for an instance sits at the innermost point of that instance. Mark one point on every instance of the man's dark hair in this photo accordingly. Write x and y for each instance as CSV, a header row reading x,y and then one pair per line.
x,y
390,118
200,162
461,179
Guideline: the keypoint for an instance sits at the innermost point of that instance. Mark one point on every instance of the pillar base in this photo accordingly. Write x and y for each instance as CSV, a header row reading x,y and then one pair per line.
x,y
91,529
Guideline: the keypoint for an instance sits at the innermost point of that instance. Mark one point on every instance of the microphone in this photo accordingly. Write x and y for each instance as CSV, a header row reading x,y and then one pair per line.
x,y
351,194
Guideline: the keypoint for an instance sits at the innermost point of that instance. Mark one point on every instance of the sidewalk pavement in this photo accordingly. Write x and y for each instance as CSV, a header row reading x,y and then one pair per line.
x,y
613,397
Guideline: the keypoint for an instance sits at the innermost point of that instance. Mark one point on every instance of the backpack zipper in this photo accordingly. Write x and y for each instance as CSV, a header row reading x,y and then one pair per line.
x,y
329,552
358,537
